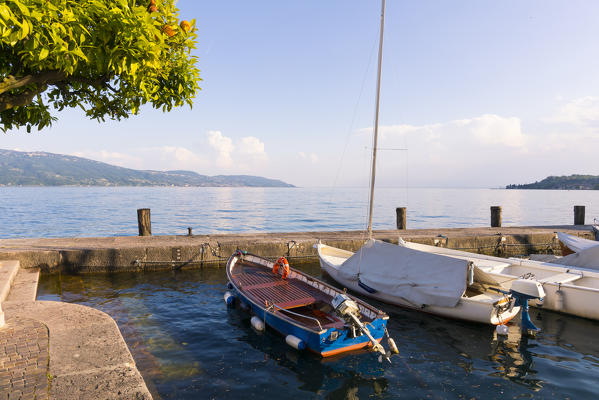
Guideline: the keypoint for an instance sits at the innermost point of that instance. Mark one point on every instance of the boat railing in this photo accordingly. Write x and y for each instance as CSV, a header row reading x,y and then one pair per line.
x,y
332,292
299,315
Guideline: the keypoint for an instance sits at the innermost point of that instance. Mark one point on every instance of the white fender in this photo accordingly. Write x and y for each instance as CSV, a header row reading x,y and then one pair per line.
x,y
295,342
257,323
229,299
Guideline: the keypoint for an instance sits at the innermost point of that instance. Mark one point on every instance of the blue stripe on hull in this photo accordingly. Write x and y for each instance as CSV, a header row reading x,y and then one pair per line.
x,y
318,343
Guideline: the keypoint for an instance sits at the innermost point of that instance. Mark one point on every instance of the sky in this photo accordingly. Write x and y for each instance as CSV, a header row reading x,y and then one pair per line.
x,y
478,93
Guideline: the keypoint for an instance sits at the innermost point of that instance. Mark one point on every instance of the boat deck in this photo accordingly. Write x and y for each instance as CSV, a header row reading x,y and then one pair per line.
x,y
266,289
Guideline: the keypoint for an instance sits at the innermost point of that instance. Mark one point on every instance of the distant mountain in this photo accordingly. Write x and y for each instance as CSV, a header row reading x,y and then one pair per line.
x,y
48,169
572,182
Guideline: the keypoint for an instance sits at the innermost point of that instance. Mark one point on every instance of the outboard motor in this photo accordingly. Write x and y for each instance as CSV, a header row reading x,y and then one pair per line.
x,y
348,309
523,290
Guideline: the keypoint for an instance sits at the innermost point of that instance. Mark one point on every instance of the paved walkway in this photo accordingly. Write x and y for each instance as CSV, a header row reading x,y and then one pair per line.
x,y
53,350
24,359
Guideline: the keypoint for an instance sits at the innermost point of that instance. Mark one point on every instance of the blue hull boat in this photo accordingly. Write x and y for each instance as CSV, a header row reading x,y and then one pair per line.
x,y
309,313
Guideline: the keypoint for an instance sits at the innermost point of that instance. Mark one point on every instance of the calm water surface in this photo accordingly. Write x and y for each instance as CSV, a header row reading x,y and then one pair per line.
x,y
98,211
188,345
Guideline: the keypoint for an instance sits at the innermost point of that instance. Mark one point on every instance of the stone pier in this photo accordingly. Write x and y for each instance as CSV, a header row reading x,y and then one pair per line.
x,y
158,252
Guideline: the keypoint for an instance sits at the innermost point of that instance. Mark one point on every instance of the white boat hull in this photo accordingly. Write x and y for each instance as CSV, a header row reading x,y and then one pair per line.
x,y
479,308
568,290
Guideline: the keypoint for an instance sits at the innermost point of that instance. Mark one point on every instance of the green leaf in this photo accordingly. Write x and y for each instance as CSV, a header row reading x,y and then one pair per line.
x,y
24,10
43,54
24,29
5,12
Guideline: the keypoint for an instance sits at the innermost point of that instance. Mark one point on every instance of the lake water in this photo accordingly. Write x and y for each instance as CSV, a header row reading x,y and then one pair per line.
x,y
188,345
99,211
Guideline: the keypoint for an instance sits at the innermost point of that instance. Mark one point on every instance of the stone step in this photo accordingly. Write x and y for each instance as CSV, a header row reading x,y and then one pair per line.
x,y
24,286
8,271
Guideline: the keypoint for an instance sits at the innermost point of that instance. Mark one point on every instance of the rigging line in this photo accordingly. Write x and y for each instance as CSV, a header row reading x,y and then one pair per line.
x,y
355,112
353,119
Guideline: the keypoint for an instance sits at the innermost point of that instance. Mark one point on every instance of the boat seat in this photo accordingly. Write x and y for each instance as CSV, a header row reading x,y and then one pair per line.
x,y
306,301
487,297
564,277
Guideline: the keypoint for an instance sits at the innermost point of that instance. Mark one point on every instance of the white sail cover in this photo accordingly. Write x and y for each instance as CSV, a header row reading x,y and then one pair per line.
x,y
419,277
587,258
576,243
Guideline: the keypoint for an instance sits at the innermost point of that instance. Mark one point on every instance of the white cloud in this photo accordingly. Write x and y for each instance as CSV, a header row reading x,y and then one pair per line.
x,y
179,156
492,129
223,146
486,130
451,152
583,111
312,157
252,146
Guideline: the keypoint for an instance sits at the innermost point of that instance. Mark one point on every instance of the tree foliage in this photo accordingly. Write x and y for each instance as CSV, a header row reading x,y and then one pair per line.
x,y
572,182
108,57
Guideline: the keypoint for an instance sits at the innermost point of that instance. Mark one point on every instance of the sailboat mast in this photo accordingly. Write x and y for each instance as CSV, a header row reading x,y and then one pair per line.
x,y
376,120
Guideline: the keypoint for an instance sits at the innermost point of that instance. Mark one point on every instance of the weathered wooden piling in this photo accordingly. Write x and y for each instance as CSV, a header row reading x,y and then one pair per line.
x,y
495,216
401,217
144,222
578,215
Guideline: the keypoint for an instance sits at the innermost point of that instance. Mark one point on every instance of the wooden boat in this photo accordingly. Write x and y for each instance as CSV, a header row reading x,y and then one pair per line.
x,y
417,280
568,289
306,311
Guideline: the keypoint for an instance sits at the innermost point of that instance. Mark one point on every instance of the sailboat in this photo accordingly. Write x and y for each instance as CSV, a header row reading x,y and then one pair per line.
x,y
415,279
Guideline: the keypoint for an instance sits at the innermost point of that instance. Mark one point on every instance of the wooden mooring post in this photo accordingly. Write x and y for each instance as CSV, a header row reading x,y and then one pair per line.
x,y
578,215
401,217
143,222
495,216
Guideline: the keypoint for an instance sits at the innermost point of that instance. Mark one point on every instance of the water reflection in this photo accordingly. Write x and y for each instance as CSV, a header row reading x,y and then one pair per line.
x,y
514,359
189,345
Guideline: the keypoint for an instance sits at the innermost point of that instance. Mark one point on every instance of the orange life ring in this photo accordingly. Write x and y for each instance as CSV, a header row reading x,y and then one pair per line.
x,y
281,262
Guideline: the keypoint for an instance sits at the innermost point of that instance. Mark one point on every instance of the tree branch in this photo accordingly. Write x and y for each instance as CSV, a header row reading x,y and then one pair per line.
x,y
8,101
41,82
43,78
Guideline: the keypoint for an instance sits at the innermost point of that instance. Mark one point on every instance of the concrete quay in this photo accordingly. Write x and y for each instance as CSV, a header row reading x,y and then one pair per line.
x,y
53,350
159,252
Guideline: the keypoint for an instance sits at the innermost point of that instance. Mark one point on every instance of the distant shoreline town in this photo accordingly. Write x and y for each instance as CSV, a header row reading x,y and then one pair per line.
x,y
48,169
572,182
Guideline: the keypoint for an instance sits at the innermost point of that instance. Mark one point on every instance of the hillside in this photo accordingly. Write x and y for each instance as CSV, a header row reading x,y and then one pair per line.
x,y
48,169
572,182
